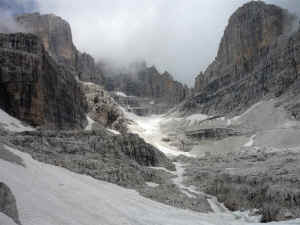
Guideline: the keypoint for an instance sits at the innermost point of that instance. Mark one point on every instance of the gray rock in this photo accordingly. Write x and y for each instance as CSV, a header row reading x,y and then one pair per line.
x,y
34,88
264,180
8,205
114,158
258,57
56,36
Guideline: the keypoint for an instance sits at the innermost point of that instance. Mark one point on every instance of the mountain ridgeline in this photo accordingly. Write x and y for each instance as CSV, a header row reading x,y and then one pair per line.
x,y
258,57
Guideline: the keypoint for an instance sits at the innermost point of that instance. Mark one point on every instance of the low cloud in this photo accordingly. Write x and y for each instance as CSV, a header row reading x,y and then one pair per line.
x,y
179,36
10,25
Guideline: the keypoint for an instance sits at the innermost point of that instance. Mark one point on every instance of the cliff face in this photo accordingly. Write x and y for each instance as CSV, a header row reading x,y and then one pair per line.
x,y
34,88
56,36
258,56
147,82
161,87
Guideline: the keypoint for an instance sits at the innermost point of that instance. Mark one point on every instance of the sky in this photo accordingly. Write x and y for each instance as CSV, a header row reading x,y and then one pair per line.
x,y
179,36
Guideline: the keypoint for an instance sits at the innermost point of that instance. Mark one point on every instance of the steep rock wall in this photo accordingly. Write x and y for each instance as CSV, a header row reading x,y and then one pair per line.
x,y
34,88
258,56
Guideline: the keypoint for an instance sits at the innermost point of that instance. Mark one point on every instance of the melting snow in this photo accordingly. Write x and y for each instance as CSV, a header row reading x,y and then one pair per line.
x,y
250,143
149,129
50,195
90,123
197,118
122,94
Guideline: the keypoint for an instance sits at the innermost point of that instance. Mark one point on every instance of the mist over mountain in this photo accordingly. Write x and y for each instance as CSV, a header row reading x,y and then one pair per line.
x,y
180,37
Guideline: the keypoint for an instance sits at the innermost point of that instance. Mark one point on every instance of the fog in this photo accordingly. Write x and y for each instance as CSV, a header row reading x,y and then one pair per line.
x,y
181,37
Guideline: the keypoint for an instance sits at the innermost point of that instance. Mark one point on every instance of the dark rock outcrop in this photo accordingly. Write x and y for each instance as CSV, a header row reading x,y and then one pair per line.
x,y
8,204
56,36
259,56
34,88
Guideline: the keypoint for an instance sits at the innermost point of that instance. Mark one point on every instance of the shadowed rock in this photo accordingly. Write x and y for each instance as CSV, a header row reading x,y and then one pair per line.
x,y
34,88
8,205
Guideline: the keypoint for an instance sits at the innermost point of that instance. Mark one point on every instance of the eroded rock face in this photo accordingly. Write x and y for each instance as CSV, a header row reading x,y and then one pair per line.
x,y
56,36
8,205
258,56
103,109
34,88
145,82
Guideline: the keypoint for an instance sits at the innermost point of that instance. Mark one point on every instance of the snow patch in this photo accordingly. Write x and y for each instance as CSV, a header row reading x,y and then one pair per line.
x,y
151,184
51,195
90,123
121,94
197,118
236,118
12,124
114,131
250,143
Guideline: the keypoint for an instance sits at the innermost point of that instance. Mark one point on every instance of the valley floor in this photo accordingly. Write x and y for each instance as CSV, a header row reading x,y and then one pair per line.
x,y
50,195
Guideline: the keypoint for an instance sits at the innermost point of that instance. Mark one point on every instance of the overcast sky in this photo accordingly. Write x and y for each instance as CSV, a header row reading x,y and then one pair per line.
x,y
175,35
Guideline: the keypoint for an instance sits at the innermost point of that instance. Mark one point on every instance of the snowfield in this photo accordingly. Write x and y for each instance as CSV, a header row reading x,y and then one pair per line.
x,y
49,195
148,128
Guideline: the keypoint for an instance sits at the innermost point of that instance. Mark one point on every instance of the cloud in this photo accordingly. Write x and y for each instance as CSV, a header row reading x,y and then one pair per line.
x,y
179,36
9,8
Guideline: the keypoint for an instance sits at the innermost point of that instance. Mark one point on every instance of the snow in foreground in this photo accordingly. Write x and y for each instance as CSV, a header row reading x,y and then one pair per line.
x,y
49,195
10,123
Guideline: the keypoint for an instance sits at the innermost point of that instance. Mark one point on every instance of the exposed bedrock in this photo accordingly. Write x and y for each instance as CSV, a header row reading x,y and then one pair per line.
x,y
56,36
34,88
8,205
259,56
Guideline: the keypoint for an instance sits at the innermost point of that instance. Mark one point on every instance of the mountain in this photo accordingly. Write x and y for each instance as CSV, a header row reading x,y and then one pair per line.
x,y
258,57
34,88
56,36
161,90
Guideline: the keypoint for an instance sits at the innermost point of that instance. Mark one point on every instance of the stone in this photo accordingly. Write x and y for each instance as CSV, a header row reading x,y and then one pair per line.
x,y
8,204
56,36
103,109
34,88
157,92
258,57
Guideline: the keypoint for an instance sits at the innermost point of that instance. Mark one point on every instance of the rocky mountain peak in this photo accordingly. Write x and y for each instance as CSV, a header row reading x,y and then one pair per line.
x,y
258,57
54,32
251,29
56,36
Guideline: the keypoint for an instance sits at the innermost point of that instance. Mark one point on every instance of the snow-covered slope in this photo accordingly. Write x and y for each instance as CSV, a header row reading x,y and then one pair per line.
x,y
49,195
149,129
10,123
